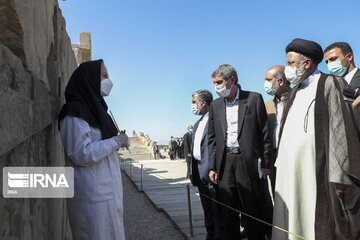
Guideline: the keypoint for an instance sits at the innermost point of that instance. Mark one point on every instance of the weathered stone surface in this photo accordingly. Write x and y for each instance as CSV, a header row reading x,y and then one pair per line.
x,y
16,118
145,139
61,59
36,61
83,49
77,53
11,31
12,72
35,18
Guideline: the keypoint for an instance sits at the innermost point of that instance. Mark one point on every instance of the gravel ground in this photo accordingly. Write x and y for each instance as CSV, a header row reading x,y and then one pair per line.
x,y
141,219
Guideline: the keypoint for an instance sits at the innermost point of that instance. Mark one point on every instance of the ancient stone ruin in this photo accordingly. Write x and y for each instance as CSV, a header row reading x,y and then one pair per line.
x,y
82,50
36,61
146,140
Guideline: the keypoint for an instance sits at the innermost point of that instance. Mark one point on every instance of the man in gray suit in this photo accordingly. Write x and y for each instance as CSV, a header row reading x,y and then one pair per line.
x,y
199,168
239,152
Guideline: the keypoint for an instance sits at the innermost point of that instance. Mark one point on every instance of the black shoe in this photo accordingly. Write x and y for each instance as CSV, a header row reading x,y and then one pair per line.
x,y
243,234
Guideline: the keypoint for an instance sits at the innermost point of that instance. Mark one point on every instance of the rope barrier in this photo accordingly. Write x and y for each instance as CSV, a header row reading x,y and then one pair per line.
x,y
223,204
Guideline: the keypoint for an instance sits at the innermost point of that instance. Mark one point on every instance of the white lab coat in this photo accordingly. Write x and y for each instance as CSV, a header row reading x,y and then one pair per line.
x,y
96,211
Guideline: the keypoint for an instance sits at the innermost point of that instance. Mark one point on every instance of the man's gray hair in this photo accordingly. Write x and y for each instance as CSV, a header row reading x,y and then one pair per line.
x,y
226,71
204,95
303,58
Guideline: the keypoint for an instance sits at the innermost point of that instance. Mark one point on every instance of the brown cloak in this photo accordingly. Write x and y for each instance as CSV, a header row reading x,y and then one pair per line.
x,y
337,162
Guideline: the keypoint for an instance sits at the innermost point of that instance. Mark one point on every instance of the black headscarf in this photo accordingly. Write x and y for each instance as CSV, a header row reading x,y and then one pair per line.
x,y
83,99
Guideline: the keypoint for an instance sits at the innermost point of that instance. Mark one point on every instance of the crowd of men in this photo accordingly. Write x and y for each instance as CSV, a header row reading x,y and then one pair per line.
x,y
176,148
293,162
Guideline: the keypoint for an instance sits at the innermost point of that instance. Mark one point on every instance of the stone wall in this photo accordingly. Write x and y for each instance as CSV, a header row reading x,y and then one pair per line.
x,y
36,61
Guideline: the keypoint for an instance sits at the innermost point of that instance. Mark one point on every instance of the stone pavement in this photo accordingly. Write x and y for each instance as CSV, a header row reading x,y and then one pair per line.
x,y
165,185
142,220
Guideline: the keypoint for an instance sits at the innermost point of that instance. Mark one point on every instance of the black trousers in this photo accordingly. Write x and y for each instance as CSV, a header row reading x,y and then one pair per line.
x,y
237,190
268,209
213,221
172,156
188,162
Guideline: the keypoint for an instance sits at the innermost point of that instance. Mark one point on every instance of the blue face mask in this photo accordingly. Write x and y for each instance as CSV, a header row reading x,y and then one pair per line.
x,y
337,69
269,88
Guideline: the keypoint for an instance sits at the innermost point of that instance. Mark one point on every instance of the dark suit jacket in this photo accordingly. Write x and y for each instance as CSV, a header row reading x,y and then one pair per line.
x,y
253,133
356,113
187,143
172,145
203,165
356,79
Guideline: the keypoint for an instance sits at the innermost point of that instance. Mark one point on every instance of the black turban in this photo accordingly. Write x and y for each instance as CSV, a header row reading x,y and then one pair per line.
x,y
307,48
83,99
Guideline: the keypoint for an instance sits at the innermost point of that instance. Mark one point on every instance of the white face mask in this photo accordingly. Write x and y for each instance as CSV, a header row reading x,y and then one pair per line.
x,y
195,109
105,87
337,69
268,86
222,91
293,74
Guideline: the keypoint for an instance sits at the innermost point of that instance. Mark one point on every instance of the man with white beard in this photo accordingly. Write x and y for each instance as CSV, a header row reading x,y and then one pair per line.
x,y
318,167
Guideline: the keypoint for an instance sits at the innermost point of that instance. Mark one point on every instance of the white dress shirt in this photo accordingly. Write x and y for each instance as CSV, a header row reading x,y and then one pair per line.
x,y
279,110
198,136
350,75
232,118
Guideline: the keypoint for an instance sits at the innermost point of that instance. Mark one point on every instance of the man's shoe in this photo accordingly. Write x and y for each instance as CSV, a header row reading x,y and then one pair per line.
x,y
243,234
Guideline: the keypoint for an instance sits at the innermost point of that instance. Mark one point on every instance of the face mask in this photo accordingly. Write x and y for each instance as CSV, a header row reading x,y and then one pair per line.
x,y
337,69
222,91
269,88
105,87
195,110
190,131
292,73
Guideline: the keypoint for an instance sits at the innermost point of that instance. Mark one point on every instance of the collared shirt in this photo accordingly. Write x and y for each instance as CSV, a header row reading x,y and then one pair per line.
x,y
231,139
310,79
198,136
350,75
313,77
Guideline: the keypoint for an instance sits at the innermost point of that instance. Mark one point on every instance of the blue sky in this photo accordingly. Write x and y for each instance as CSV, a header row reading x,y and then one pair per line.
x,y
159,52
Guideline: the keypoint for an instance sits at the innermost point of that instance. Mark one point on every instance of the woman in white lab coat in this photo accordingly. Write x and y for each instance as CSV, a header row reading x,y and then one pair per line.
x,y
91,141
